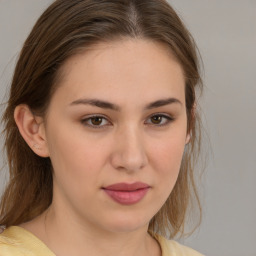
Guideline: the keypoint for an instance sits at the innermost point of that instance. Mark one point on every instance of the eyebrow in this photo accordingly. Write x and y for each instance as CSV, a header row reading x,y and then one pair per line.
x,y
107,105
96,103
162,102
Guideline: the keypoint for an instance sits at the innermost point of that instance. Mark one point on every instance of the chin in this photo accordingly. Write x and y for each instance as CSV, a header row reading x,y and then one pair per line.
x,y
124,223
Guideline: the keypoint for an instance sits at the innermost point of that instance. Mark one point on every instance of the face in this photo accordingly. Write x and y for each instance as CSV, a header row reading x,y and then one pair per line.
x,y
116,129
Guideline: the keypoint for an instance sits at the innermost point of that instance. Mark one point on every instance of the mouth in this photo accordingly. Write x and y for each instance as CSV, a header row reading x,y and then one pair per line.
x,y
127,194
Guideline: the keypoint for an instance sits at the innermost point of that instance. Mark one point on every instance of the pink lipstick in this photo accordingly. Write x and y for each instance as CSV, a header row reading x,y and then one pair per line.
x,y
127,194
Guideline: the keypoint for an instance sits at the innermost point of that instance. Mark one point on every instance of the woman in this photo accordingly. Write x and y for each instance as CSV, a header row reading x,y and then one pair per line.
x,y
100,132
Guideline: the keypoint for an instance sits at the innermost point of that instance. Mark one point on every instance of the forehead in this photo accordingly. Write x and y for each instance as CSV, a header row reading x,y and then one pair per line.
x,y
124,66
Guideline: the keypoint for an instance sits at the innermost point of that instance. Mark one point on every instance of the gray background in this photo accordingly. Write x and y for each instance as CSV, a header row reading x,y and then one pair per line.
x,y
225,32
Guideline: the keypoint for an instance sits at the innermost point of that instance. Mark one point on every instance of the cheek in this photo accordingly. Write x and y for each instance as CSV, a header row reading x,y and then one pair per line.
x,y
167,157
166,160
75,159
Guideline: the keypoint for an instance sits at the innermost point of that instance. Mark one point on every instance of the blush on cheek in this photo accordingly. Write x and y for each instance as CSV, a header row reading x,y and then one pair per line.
x,y
171,152
171,157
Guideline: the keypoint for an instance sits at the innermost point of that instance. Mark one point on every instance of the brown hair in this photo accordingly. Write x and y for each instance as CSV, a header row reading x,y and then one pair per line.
x,y
63,30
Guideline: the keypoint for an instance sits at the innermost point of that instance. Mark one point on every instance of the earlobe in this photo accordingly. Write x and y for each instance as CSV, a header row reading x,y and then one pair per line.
x,y
188,137
32,129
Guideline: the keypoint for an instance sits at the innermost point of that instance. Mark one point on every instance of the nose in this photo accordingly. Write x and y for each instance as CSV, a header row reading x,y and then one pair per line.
x,y
129,153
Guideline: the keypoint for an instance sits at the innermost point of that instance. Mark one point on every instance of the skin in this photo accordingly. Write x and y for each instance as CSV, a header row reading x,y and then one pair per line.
x,y
126,145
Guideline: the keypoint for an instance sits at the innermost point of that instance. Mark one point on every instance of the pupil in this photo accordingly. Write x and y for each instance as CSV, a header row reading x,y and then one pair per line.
x,y
156,119
96,120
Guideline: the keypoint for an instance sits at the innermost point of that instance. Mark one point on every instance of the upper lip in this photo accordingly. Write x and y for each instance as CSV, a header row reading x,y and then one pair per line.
x,y
127,186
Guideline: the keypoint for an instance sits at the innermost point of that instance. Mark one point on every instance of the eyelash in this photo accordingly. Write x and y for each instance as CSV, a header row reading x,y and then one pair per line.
x,y
168,119
85,121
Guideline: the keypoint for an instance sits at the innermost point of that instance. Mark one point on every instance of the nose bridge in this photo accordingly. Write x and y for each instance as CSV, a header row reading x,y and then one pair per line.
x,y
129,151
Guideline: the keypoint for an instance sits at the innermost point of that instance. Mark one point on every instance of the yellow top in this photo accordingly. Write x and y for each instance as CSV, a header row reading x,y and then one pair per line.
x,y
17,241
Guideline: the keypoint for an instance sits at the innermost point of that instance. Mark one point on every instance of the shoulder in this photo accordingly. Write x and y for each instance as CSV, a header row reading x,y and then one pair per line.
x,y
16,241
173,248
9,245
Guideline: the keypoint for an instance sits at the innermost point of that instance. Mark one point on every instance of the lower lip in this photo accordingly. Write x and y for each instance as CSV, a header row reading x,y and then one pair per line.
x,y
127,197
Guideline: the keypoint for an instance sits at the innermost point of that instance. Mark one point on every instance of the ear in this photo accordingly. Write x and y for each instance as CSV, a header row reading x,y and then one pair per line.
x,y
32,129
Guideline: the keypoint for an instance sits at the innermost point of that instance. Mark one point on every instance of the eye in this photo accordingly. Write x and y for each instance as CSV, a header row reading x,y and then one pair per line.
x,y
95,121
159,120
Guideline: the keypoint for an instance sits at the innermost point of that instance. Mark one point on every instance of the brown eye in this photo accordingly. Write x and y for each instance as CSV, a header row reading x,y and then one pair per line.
x,y
96,120
159,120
156,119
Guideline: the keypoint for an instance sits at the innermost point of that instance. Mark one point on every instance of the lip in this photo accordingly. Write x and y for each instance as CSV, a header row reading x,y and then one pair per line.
x,y
127,193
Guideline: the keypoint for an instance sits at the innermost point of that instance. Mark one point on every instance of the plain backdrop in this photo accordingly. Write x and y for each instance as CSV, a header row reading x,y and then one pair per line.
x,y
225,31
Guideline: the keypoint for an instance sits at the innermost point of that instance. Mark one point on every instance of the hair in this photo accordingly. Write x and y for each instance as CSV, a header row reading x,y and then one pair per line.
x,y
67,28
